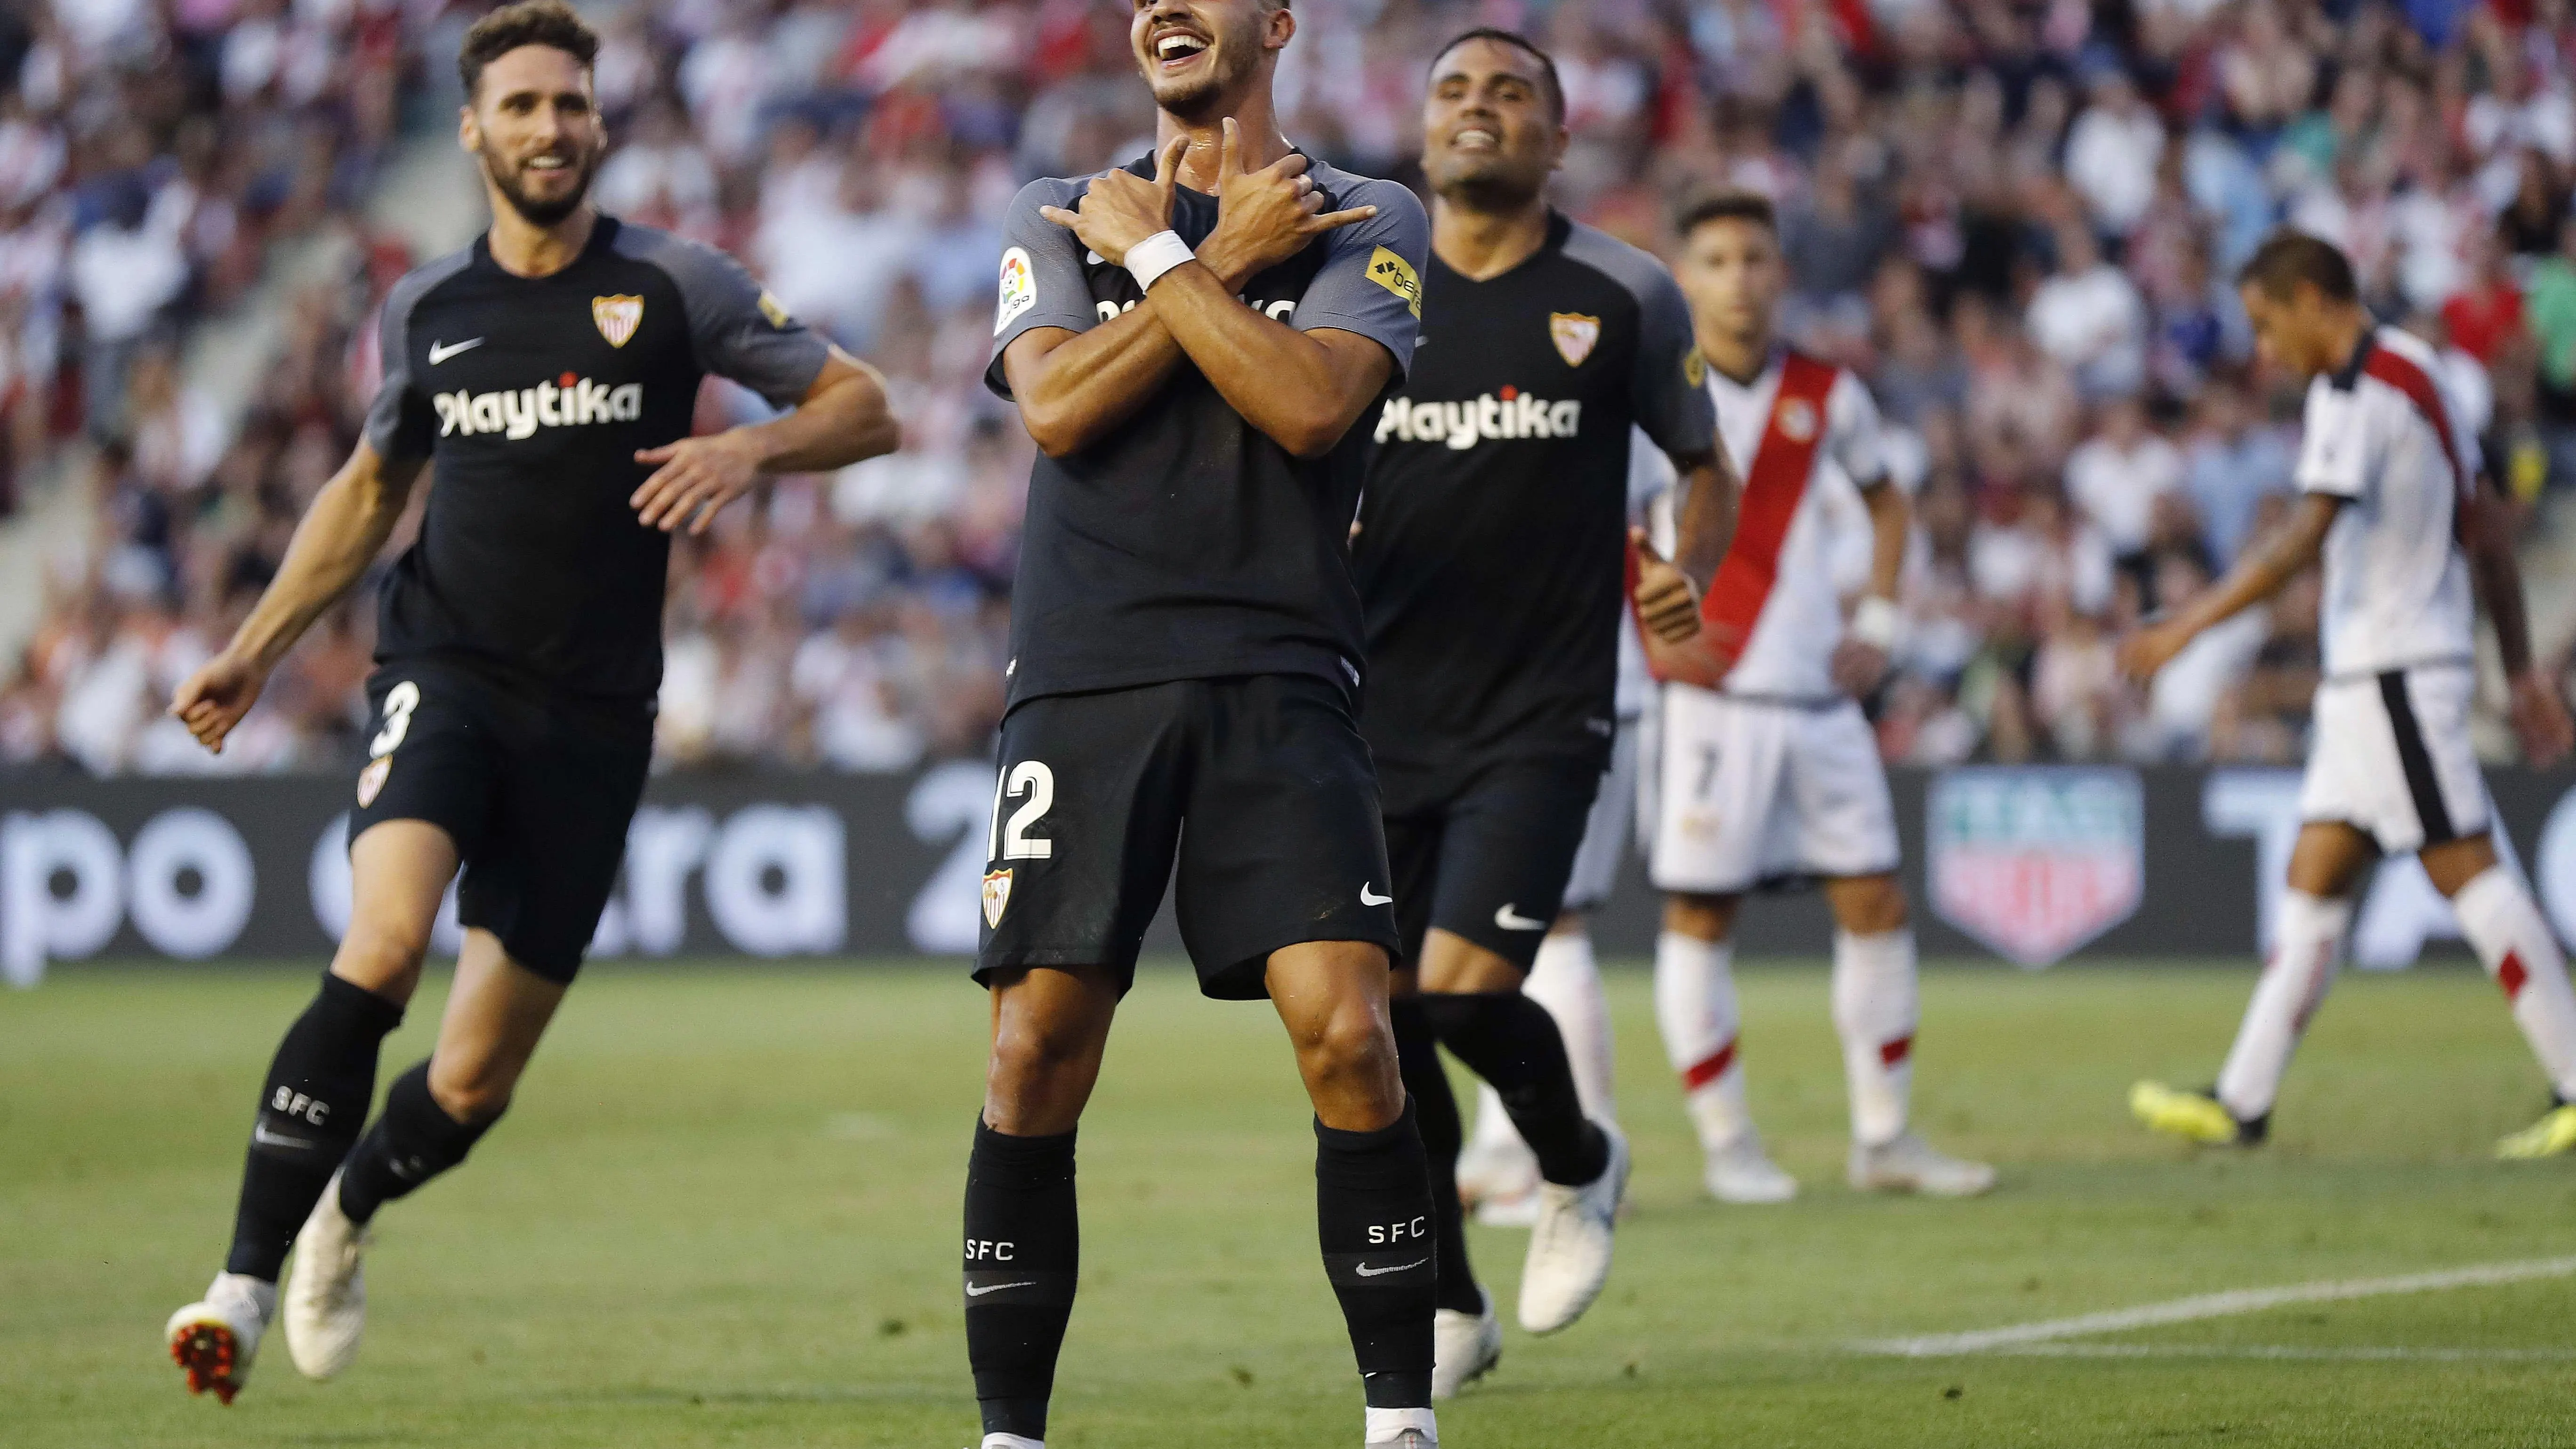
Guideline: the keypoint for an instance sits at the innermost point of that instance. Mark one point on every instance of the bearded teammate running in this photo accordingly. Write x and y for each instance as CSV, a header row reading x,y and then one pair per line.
x,y
1189,340
1768,770
549,371
1490,552
2393,501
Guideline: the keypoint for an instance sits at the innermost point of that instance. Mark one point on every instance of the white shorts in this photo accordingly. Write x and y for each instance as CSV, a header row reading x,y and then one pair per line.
x,y
1605,830
1752,791
2390,755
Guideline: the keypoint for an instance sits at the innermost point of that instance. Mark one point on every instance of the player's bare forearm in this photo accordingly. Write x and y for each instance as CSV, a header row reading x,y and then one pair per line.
x,y
844,418
2498,576
2289,551
1074,387
1301,389
1706,530
343,531
1891,519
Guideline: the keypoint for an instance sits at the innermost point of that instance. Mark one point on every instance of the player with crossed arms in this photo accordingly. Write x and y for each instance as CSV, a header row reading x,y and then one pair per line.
x,y
2393,502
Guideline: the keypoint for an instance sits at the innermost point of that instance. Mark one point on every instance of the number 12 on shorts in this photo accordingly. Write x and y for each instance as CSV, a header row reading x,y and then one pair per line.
x,y
1010,841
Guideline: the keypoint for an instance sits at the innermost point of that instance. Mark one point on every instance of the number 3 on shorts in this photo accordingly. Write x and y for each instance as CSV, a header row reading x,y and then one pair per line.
x,y
1011,841
400,701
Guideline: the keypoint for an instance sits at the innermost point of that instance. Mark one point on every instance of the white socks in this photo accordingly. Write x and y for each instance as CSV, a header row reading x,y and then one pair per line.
x,y
2307,949
1565,981
1695,1006
2514,943
1875,1010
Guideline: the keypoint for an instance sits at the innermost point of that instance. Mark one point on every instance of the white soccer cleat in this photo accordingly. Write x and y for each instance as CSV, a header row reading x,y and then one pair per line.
x,y
1741,1172
216,1338
1569,1251
1910,1164
1509,1212
1401,1429
1464,1346
1491,1171
1405,1439
326,1290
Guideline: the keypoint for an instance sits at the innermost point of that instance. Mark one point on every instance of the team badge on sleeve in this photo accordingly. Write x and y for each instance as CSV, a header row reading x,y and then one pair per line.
x,y
371,780
1019,294
618,317
775,311
1396,275
1574,334
1695,368
997,895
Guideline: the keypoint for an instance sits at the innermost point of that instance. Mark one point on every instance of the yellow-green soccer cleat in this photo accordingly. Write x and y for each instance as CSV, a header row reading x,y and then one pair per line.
x,y
2192,1116
2548,1137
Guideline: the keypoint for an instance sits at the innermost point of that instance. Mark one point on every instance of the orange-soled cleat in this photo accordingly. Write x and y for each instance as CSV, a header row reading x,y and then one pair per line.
x,y
216,1338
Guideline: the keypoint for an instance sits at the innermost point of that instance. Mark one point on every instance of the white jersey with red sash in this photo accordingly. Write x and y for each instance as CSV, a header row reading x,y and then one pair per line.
x,y
2381,434
1798,431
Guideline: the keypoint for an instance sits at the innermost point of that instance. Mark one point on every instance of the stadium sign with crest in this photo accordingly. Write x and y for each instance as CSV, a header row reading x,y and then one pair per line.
x,y
2036,862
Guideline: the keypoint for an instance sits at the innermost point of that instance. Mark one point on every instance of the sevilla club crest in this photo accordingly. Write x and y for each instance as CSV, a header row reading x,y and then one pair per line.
x,y
618,317
997,895
1574,334
2037,862
371,780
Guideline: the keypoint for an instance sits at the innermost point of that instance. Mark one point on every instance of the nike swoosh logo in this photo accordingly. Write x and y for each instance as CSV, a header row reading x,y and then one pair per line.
x,y
439,354
1367,899
974,1292
260,1134
1365,1271
1512,920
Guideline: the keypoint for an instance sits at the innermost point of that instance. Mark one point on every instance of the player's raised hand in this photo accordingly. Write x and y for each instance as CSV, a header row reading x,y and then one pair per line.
x,y
214,699
2540,718
1120,208
2148,651
693,478
1667,605
1265,217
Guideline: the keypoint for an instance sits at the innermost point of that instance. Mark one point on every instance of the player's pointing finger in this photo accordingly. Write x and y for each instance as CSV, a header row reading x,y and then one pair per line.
x,y
1229,161
1333,220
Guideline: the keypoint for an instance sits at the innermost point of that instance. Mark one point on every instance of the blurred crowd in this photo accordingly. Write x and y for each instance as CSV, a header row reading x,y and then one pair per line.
x,y
2017,220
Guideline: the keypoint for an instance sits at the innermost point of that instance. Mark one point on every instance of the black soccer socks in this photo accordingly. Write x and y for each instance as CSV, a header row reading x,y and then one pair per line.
x,y
310,1110
1023,1252
1435,1108
1511,1042
413,1141
1373,1218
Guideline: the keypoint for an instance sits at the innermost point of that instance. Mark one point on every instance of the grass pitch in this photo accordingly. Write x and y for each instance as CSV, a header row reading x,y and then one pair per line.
x,y
724,1213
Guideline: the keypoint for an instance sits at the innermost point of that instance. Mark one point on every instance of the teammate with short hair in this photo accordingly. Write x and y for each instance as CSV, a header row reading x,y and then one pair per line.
x,y
2392,504
1189,340
1767,769
1491,550
549,372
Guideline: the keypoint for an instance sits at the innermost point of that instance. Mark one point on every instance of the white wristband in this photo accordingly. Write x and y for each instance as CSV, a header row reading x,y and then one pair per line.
x,y
1155,255
1877,622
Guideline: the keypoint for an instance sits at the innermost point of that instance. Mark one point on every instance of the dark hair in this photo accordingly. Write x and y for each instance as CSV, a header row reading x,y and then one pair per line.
x,y
1729,205
2287,258
1521,43
527,22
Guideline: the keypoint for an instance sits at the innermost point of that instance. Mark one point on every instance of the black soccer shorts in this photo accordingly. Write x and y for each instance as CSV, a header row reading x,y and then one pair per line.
x,y
1258,788
1487,855
537,794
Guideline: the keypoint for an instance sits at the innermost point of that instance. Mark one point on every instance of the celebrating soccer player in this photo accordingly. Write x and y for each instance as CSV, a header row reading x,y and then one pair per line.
x,y
2393,499
1491,549
1190,339
1768,770
549,372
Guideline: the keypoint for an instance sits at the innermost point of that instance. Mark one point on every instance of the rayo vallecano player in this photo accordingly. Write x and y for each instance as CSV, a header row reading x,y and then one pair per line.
x,y
2395,504
1766,768
1492,548
1190,340
548,372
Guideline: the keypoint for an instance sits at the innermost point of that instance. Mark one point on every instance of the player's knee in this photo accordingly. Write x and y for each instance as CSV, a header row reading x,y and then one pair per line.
x,y
1702,918
471,1092
1027,1053
384,957
1871,905
1349,1045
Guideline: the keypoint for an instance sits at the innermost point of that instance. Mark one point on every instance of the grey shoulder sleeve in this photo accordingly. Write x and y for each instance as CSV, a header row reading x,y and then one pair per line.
x,y
1042,282
398,419
739,331
1670,385
1371,279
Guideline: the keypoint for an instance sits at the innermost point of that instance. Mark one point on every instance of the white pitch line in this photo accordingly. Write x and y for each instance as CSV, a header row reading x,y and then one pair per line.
x,y
2215,1305
2370,1353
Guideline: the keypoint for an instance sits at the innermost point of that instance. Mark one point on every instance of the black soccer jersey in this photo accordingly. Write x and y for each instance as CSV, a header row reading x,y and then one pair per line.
x,y
1186,544
530,396
1490,554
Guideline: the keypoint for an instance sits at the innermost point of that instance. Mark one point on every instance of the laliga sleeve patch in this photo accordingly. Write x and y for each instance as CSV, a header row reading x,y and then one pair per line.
x,y
1695,368
1019,288
1396,275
